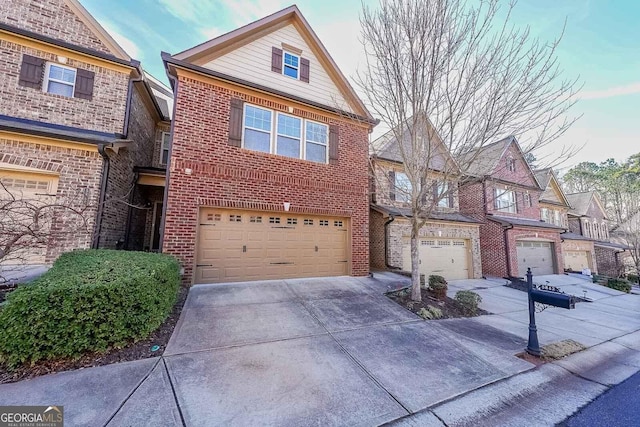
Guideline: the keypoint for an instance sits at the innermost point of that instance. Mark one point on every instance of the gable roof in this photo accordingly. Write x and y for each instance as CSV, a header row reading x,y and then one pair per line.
x,y
387,146
545,178
580,203
243,35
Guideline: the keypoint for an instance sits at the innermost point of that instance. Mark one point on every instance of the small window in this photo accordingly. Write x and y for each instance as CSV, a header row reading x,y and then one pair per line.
x,y
316,138
59,80
402,187
274,220
235,218
458,244
164,149
527,200
323,223
308,222
255,219
257,129
337,223
292,221
444,243
511,164
291,65
288,136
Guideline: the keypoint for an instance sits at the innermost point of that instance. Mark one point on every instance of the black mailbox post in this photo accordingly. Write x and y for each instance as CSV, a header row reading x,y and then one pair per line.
x,y
547,297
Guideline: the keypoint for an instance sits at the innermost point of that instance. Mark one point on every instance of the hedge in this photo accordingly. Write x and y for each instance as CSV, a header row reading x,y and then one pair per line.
x,y
619,285
89,300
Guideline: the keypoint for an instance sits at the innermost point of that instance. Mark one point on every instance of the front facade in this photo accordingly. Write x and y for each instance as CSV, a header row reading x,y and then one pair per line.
x,y
448,242
268,160
72,126
505,198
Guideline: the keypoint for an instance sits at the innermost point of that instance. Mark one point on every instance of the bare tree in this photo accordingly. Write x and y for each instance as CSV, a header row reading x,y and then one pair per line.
x,y
446,71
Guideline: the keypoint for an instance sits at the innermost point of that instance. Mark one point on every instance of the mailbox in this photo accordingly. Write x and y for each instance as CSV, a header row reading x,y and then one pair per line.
x,y
553,298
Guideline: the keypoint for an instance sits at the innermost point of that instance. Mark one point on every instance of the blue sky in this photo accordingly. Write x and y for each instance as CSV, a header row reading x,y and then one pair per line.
x,y
601,45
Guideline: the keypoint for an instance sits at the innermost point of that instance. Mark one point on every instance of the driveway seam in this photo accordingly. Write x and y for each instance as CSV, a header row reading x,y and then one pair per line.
x,y
173,391
132,392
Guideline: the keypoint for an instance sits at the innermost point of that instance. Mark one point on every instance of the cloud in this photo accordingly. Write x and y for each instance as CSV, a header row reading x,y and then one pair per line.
x,y
129,46
629,89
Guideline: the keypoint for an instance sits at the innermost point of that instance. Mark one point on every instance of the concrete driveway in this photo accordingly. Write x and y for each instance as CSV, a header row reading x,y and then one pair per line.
x,y
336,351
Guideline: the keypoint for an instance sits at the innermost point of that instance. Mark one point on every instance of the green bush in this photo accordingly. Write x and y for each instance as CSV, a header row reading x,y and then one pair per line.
x,y
468,301
88,301
430,313
619,285
632,277
434,279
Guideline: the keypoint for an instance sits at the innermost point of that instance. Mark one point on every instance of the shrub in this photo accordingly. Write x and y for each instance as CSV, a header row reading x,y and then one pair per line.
x,y
439,286
632,277
430,313
619,285
468,301
434,278
88,301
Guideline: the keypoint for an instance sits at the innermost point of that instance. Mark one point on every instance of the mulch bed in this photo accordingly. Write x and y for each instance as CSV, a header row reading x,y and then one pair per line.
x,y
134,351
450,307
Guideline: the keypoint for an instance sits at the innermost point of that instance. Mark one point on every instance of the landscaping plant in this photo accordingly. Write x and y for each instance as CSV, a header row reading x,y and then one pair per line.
x,y
89,300
430,313
619,285
469,301
438,286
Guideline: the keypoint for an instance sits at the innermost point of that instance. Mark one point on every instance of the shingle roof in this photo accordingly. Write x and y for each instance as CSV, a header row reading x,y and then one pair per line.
x,y
574,236
437,216
523,222
580,202
482,161
543,176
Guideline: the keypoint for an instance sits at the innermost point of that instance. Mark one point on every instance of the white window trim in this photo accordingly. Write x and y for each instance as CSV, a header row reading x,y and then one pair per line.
x,y
402,194
284,54
273,134
277,134
162,148
47,71
443,194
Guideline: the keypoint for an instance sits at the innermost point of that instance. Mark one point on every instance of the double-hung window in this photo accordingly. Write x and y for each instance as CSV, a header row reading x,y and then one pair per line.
x,y
288,136
291,65
402,187
316,139
505,200
257,129
164,150
59,80
443,195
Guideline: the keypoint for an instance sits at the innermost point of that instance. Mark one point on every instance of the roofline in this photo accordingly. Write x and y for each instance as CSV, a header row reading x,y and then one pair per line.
x,y
291,12
168,59
542,223
554,177
70,46
387,212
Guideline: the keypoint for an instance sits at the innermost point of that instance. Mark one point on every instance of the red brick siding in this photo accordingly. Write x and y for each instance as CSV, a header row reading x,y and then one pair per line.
x,y
104,112
223,175
78,187
521,175
51,18
608,262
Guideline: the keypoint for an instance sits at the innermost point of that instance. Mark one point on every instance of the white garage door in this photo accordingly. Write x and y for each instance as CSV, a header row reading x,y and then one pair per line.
x,y
535,255
576,260
236,245
445,257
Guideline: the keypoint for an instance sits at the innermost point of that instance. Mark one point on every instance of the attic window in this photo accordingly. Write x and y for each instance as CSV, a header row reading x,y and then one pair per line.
x,y
511,164
291,65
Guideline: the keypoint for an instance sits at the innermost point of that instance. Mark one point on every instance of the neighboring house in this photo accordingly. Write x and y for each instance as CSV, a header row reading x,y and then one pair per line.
x,y
268,174
588,219
77,116
577,249
505,197
449,242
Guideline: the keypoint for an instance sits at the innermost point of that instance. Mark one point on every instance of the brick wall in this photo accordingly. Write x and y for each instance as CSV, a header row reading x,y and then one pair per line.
x,y
377,244
532,234
121,187
78,187
51,18
223,175
608,262
104,112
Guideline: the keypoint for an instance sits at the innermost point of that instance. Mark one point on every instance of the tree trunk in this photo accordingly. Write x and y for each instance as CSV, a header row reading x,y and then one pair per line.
x,y
416,294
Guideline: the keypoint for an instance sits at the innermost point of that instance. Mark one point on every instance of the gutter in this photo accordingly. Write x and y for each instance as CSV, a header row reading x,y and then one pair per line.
x,y
506,247
106,166
386,243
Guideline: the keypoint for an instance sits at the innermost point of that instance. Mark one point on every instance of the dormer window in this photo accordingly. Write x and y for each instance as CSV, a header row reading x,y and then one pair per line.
x,y
291,65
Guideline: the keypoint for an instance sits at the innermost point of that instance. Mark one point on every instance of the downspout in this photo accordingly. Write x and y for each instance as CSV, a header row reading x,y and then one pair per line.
x,y
106,166
506,247
386,243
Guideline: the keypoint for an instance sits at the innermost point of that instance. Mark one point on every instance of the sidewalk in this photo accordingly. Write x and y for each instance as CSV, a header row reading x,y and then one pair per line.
x,y
155,391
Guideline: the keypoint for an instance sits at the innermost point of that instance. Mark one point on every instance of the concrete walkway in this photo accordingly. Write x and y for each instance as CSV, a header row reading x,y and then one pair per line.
x,y
335,351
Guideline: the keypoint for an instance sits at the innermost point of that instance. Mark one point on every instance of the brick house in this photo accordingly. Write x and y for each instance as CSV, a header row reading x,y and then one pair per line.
x,y
77,116
504,195
449,242
588,220
268,159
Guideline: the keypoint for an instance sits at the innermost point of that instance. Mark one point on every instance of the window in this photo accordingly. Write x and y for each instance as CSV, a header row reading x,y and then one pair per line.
x,y
291,65
337,223
323,223
59,80
316,138
274,220
527,200
308,222
443,195
402,187
544,214
511,164
235,218
164,149
505,201
255,219
257,129
556,217
292,221
260,134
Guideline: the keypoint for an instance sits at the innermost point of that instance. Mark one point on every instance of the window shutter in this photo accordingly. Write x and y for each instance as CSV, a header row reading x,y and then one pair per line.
x,y
392,185
304,70
333,143
31,72
235,122
516,197
495,198
276,60
84,84
451,190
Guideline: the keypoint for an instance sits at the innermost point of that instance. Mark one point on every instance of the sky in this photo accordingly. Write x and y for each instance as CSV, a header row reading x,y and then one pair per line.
x,y
600,47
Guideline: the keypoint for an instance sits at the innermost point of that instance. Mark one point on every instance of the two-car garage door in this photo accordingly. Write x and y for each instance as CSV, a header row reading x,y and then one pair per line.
x,y
237,245
535,255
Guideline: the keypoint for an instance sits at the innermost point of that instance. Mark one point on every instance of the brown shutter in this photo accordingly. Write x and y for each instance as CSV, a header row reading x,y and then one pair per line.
x,y
235,122
84,84
516,197
276,60
304,70
31,72
392,185
451,190
333,143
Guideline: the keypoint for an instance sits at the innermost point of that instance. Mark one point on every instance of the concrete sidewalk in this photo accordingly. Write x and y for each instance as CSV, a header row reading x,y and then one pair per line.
x,y
335,351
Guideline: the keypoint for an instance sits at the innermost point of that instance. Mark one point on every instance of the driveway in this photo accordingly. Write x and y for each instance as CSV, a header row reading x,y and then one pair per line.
x,y
329,351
